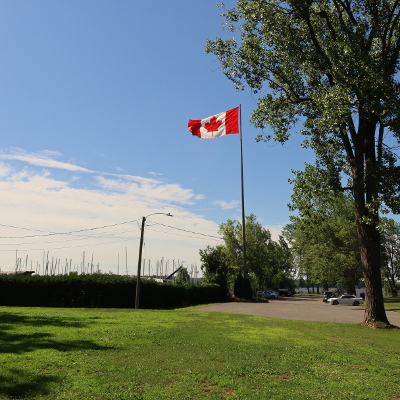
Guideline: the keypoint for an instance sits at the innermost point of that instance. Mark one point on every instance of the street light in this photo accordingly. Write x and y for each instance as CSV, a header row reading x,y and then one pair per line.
x,y
140,258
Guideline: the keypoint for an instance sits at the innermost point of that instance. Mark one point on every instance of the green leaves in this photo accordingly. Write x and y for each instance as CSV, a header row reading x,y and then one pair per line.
x,y
265,257
328,65
331,66
324,234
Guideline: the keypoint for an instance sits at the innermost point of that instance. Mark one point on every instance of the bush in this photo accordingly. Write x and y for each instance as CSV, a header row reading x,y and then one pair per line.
x,y
242,288
100,290
247,290
237,287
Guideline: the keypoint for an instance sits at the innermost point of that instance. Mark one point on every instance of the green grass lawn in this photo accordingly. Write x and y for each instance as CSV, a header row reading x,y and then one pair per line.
x,y
48,353
392,304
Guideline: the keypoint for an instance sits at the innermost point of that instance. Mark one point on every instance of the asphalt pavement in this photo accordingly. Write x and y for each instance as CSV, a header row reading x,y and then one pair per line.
x,y
303,308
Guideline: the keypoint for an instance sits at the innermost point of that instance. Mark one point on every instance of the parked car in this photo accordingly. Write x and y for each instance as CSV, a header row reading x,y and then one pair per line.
x,y
327,295
267,294
346,299
285,292
274,294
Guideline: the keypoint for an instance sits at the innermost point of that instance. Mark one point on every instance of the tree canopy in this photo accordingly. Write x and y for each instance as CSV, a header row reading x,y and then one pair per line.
x,y
332,66
269,262
323,234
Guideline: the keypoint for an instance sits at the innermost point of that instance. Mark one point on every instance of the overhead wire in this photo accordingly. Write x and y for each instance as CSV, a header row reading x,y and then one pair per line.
x,y
185,230
192,237
59,233
73,247
88,237
76,237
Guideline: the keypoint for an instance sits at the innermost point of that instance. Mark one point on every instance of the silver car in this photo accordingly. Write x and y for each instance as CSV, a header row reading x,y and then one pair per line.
x,y
346,299
267,294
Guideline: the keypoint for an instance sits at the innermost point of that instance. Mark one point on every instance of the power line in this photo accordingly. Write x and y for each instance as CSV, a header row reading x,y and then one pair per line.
x,y
184,230
77,237
58,233
82,237
192,237
73,247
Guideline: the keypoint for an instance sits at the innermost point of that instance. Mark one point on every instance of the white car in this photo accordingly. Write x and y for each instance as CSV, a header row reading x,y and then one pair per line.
x,y
274,294
267,294
346,299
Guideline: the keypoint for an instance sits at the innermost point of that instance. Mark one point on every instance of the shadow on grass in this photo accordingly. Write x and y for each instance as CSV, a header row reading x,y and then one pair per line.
x,y
21,343
22,383
24,343
16,384
13,319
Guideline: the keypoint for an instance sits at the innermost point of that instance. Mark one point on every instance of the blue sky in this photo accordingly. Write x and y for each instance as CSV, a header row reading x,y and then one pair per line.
x,y
95,100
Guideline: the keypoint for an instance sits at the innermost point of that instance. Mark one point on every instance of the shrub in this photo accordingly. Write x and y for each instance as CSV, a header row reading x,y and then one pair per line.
x,y
100,290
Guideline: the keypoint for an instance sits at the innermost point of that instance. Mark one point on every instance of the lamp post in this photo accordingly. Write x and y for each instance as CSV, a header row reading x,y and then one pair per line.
x,y
137,298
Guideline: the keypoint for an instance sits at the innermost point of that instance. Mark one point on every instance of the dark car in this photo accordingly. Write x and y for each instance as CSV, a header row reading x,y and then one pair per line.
x,y
285,292
327,295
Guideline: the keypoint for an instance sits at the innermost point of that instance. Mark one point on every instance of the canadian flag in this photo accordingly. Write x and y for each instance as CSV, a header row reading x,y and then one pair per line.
x,y
218,125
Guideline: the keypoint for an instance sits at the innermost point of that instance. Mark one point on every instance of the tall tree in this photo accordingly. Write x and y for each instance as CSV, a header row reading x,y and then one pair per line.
x,y
215,267
265,257
332,65
323,234
182,276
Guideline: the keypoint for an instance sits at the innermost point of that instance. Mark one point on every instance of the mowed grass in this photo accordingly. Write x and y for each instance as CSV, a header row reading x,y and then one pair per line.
x,y
48,353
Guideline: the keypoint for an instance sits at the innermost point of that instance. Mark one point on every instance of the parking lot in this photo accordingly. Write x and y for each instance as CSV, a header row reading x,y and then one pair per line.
x,y
305,308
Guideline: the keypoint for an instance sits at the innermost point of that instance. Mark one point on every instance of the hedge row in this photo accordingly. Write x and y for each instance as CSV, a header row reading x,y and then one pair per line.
x,y
100,290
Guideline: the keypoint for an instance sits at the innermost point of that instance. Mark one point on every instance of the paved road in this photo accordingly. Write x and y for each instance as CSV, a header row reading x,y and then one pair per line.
x,y
302,308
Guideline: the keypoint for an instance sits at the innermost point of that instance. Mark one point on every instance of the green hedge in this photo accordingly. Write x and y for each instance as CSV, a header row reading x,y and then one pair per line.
x,y
100,290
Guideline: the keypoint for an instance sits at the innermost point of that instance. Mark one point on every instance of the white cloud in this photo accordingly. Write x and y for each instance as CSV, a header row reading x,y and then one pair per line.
x,y
132,178
36,201
227,205
42,160
148,189
276,231
4,169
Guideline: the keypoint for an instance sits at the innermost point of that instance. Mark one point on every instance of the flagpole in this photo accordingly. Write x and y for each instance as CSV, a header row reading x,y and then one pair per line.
x,y
242,186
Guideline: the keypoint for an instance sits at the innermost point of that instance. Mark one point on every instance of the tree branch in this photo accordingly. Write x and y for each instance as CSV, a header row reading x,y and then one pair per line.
x,y
347,145
324,15
347,8
391,26
380,142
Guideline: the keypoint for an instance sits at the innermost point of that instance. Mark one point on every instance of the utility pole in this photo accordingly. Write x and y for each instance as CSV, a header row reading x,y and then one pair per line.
x,y
137,297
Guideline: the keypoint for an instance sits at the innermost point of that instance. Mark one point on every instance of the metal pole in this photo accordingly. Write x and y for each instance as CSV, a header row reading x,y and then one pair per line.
x,y
243,214
139,265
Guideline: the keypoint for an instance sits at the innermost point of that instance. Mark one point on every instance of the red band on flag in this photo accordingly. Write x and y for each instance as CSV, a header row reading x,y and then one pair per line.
x,y
232,121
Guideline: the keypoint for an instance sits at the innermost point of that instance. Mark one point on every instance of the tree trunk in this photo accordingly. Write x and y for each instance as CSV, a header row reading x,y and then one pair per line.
x,y
366,212
370,258
392,284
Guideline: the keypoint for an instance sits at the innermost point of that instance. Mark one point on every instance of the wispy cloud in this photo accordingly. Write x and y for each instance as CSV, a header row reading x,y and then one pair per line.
x,y
42,159
148,189
4,169
227,205
33,199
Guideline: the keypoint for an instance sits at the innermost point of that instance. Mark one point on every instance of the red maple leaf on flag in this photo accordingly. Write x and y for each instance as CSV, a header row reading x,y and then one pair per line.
x,y
213,125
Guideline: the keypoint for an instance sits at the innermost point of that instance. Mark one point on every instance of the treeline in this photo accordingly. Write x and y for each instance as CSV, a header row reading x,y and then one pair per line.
x,y
269,263
324,241
319,248
100,291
